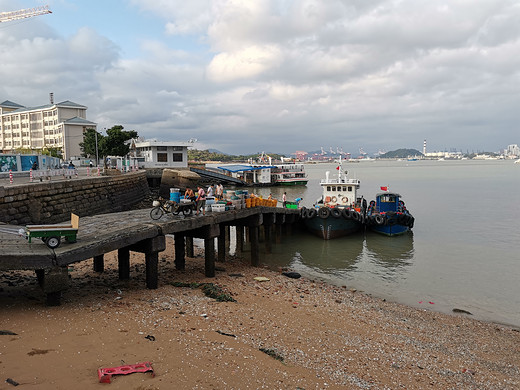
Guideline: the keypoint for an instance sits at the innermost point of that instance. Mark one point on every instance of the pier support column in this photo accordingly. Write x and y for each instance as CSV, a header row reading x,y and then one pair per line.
x,y
99,263
209,257
180,259
239,239
208,233
189,247
253,238
268,242
152,269
54,281
279,221
254,222
221,240
269,220
40,274
151,248
123,260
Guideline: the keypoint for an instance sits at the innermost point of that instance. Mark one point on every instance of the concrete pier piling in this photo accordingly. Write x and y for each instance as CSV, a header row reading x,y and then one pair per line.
x,y
135,231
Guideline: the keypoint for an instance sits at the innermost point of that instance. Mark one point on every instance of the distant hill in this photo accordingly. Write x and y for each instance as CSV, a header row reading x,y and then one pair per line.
x,y
217,152
401,153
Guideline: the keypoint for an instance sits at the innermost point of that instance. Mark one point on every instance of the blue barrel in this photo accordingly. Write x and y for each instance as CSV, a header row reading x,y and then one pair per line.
x,y
175,195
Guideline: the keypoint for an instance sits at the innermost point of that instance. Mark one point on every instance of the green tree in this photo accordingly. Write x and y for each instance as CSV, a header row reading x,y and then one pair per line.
x,y
88,146
53,152
112,144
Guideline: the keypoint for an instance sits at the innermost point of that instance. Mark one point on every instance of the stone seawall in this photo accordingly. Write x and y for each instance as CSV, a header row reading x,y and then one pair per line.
x,y
52,202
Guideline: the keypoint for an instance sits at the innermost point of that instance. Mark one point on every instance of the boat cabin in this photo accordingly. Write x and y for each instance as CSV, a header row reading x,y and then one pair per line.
x,y
340,191
387,201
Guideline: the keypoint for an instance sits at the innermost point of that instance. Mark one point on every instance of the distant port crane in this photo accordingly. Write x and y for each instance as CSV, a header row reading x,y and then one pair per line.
x,y
24,13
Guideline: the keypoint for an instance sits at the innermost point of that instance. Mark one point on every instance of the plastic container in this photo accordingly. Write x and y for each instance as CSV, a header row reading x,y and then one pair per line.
x,y
175,195
218,207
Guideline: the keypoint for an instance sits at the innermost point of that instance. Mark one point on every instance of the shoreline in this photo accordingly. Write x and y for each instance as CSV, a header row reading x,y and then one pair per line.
x,y
327,336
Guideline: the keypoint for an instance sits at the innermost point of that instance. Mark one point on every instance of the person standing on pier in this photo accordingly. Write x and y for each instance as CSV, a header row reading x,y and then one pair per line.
x,y
201,200
189,194
211,190
284,199
220,191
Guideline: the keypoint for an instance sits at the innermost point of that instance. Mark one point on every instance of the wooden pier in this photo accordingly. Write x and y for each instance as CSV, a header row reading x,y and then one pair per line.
x,y
135,231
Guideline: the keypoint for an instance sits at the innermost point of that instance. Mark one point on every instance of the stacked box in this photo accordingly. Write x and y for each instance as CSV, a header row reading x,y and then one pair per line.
x,y
218,207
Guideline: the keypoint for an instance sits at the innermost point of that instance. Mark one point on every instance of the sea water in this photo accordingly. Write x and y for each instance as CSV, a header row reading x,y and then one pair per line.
x,y
463,252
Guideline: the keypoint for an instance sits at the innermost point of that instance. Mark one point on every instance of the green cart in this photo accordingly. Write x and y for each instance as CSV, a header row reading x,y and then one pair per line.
x,y
51,234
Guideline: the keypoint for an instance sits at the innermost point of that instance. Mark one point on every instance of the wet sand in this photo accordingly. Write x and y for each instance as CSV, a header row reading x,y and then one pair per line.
x,y
279,334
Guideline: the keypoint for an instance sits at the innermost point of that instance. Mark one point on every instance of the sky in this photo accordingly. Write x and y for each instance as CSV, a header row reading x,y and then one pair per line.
x,y
244,76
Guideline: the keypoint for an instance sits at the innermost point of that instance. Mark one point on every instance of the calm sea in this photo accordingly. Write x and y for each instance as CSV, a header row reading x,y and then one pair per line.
x,y
464,251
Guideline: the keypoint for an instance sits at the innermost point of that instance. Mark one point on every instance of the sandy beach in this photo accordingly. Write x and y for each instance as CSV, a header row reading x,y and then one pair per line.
x,y
281,333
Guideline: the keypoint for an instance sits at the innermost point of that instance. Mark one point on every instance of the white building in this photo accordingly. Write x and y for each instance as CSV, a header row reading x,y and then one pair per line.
x,y
59,125
513,150
159,154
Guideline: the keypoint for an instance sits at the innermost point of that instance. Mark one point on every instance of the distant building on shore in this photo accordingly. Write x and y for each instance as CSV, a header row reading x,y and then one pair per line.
x,y
160,154
59,125
513,151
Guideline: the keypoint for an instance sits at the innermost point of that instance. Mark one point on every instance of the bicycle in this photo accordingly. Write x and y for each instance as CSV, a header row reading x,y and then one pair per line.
x,y
170,206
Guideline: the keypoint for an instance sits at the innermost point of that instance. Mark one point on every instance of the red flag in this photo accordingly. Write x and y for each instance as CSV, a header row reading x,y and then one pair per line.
x,y
337,168
384,188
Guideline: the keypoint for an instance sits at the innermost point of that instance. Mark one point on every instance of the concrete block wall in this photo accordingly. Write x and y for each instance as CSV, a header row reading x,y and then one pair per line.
x,y
53,202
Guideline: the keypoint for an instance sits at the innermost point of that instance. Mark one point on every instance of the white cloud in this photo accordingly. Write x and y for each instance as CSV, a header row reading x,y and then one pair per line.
x,y
384,73
243,64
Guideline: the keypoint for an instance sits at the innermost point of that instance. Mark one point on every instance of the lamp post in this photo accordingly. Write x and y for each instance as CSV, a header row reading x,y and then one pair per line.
x,y
97,156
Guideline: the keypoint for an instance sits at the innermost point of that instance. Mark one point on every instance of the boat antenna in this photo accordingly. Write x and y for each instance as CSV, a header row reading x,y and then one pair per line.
x,y
340,169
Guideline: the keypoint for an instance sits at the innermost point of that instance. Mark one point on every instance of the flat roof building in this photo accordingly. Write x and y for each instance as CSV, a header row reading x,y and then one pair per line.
x,y
61,125
160,154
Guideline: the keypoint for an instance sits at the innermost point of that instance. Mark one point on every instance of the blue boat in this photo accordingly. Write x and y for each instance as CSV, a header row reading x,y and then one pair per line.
x,y
339,211
388,215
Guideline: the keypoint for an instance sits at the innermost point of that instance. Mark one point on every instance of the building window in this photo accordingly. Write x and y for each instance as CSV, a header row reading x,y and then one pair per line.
x,y
162,148
36,117
177,148
177,157
162,157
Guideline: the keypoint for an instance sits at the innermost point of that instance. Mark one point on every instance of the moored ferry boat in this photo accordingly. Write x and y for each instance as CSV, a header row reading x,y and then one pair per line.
x,y
289,175
388,214
339,211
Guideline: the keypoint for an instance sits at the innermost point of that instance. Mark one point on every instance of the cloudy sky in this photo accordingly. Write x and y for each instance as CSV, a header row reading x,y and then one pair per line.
x,y
245,76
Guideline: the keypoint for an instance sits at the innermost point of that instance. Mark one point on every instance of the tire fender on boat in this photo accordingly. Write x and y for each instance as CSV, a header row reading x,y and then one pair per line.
x,y
335,212
303,212
354,215
412,220
380,220
324,212
345,213
311,213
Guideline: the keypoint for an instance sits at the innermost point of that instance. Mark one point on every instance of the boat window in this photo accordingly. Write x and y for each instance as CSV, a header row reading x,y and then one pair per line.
x,y
333,188
344,188
349,188
328,188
